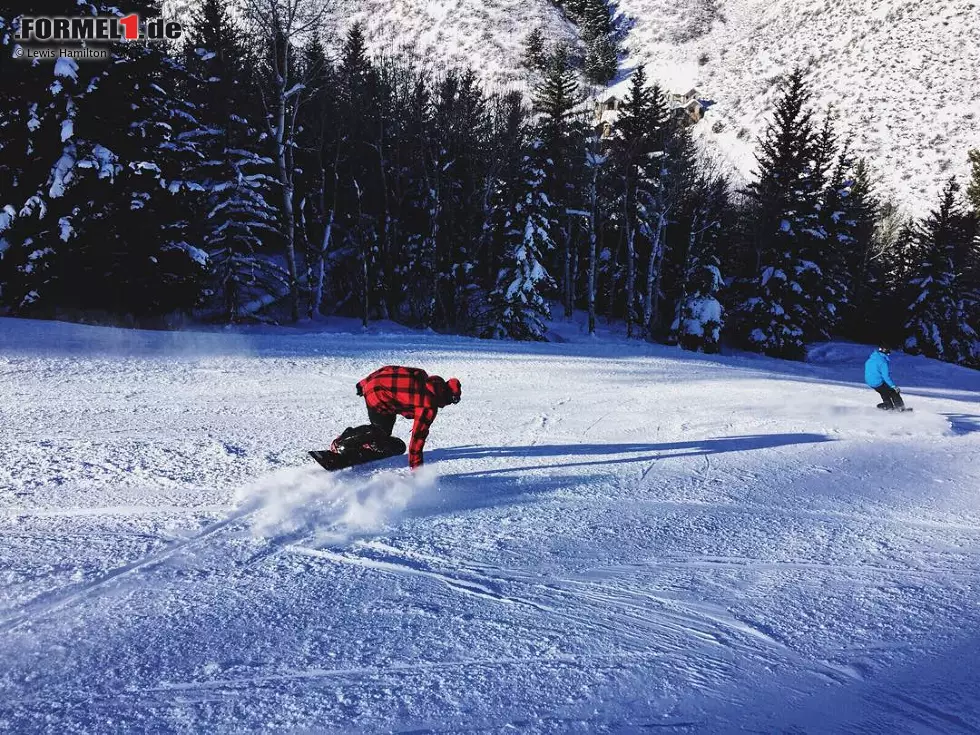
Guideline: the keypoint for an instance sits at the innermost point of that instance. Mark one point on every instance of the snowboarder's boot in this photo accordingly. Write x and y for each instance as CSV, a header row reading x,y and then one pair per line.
x,y
366,437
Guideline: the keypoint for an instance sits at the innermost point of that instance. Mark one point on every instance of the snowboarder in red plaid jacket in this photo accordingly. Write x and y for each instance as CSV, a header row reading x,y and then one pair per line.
x,y
412,393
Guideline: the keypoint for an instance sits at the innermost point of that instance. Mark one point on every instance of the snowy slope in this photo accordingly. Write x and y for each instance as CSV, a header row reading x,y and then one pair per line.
x,y
609,537
484,36
902,74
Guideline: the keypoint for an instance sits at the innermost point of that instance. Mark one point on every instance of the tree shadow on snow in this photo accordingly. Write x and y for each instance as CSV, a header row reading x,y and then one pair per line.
x,y
963,423
647,452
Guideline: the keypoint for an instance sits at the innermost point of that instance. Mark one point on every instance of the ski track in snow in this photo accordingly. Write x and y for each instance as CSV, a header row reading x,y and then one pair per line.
x,y
608,537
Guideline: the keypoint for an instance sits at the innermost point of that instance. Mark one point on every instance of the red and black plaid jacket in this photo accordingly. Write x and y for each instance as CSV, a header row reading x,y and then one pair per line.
x,y
411,393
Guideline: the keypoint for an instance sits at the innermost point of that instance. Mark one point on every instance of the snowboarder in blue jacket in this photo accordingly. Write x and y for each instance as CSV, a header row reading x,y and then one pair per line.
x,y
876,376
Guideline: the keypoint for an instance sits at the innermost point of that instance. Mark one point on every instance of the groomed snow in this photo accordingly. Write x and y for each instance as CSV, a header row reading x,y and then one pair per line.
x,y
607,537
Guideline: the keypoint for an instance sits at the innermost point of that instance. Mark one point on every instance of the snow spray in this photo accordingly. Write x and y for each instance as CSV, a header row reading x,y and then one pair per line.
x,y
331,508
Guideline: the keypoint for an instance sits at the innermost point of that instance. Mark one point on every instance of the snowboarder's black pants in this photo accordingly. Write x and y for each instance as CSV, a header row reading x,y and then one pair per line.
x,y
890,397
384,421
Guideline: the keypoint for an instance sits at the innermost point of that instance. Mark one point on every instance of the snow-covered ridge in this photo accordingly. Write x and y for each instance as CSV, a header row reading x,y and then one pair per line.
x,y
900,73
485,36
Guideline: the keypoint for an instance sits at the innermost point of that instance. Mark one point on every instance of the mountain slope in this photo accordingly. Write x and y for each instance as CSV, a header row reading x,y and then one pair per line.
x,y
486,36
900,73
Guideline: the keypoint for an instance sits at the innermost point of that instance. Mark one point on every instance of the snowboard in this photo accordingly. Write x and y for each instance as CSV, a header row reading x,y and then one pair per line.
x,y
904,409
358,445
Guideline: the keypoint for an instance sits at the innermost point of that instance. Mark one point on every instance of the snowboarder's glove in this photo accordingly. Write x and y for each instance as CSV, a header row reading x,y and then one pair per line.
x,y
359,391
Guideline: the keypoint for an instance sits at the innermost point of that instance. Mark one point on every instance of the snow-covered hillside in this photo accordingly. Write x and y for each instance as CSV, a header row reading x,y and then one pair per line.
x,y
608,537
901,73
485,36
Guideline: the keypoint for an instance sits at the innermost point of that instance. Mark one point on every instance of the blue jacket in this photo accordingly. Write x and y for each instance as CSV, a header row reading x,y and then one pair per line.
x,y
876,370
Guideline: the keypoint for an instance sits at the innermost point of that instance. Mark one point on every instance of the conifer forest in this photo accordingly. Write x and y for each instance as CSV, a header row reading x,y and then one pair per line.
x,y
248,172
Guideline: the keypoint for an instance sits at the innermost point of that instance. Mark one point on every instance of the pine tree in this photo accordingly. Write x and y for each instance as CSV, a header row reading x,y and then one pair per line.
x,y
318,154
852,210
238,219
899,265
555,100
424,197
561,131
535,57
973,188
637,150
938,325
773,314
971,260
501,184
602,55
700,316
819,271
358,168
518,304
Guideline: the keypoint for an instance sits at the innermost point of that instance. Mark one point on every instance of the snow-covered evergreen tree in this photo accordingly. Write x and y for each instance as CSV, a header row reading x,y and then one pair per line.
x,y
939,323
598,30
239,223
417,182
561,131
510,135
773,313
820,253
359,171
464,119
97,181
852,209
700,315
970,262
638,150
518,305
535,56
317,157
599,34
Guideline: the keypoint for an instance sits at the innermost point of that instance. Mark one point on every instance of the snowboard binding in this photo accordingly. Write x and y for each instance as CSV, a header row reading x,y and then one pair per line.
x,y
357,445
895,409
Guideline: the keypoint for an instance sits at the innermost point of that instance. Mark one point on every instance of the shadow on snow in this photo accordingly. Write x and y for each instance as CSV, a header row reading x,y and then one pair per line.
x,y
962,423
597,452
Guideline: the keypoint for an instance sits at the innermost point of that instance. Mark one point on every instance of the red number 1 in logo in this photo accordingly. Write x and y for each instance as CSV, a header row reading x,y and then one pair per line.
x,y
131,24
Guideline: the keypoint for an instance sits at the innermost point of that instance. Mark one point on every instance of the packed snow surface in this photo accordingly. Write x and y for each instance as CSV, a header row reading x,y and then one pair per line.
x,y
607,537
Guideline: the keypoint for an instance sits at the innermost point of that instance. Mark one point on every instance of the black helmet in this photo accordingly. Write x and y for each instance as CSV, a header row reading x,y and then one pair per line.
x,y
885,348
